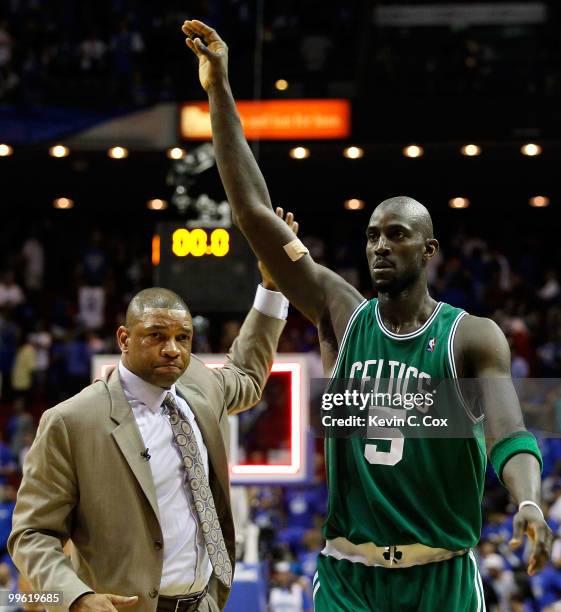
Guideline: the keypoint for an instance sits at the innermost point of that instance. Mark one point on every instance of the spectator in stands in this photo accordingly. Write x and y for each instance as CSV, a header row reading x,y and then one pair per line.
x,y
549,351
555,508
288,593
42,340
93,51
312,543
126,47
22,372
9,332
91,304
7,504
11,294
519,367
550,290
8,464
500,579
77,357
266,513
94,261
19,426
8,79
6,45
26,442
33,255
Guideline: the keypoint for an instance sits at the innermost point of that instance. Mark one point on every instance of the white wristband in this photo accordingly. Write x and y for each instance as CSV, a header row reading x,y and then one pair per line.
x,y
271,303
530,503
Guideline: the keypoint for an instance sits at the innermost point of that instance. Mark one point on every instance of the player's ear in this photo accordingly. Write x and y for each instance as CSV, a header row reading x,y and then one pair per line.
x,y
431,248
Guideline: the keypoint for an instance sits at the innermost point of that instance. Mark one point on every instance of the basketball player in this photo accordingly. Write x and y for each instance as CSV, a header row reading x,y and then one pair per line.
x,y
402,517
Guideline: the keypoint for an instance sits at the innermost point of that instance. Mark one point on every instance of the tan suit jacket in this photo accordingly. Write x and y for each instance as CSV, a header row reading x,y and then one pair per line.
x,y
84,478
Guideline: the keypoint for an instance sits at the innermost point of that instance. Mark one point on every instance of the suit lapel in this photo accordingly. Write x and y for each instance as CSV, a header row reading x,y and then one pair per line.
x,y
210,430
128,438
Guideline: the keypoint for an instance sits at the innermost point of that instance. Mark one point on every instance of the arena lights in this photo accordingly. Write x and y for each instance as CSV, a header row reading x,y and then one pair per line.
x,y
531,149
118,152
157,204
299,153
459,203
353,152
471,150
63,203
176,153
281,84
413,151
539,201
5,150
59,151
354,204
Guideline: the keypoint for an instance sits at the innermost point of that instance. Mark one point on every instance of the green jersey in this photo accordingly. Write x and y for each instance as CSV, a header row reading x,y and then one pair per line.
x,y
400,490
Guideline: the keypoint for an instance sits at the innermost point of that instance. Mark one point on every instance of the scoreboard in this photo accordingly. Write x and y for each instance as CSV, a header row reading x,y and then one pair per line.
x,y
212,268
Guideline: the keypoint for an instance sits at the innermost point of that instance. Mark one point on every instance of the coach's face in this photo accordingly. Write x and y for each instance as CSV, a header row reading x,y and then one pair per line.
x,y
157,347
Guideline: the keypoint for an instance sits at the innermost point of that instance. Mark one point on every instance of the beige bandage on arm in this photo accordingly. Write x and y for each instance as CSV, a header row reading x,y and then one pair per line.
x,y
295,249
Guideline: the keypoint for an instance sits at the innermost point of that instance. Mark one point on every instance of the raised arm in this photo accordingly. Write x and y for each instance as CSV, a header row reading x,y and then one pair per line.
x,y
482,352
311,288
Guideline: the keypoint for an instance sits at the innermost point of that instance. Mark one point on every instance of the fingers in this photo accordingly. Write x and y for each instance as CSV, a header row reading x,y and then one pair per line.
x,y
203,39
188,29
293,225
201,29
195,28
189,42
541,537
199,44
121,601
541,548
198,47
289,219
518,526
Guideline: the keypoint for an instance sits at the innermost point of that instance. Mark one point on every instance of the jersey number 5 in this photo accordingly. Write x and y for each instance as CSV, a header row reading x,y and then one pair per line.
x,y
395,453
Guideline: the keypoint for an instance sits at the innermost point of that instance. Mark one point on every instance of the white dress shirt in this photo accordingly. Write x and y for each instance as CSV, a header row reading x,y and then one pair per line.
x,y
186,565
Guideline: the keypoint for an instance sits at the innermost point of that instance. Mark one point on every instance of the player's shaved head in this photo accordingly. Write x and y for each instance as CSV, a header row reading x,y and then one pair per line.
x,y
154,297
413,211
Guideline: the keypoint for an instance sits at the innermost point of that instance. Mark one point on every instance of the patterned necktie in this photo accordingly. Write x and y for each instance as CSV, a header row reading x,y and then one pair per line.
x,y
197,486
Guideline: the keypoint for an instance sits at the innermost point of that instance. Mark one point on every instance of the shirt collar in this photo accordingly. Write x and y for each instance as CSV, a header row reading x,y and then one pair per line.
x,y
150,395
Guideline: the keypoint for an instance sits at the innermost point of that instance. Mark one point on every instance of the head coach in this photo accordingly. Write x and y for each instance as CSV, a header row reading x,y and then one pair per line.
x,y
134,468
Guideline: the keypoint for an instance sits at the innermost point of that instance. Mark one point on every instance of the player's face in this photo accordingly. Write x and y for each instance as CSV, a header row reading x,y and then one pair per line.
x,y
394,250
157,348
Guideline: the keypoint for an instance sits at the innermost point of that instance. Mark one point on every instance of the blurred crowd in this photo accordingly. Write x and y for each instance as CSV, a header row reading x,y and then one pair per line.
x,y
64,292
58,308
98,54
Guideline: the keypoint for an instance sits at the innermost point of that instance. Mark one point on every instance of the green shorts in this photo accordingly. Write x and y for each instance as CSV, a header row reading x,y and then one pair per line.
x,y
445,586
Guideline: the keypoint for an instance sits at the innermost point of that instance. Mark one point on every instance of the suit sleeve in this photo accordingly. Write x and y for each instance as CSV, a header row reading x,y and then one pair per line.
x,y
249,361
42,516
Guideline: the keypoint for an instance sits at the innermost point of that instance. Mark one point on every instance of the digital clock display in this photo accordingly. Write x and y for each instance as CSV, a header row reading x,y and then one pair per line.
x,y
198,242
212,268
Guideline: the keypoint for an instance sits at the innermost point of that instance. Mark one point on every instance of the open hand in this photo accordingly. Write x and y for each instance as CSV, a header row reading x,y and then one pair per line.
x,y
211,51
530,522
